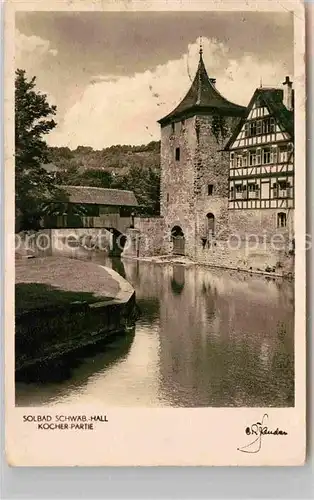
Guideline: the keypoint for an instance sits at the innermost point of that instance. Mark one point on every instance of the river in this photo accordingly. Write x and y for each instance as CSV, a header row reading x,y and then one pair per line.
x,y
205,337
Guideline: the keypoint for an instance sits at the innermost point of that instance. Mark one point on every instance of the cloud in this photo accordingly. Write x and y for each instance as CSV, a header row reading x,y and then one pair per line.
x,y
30,51
125,109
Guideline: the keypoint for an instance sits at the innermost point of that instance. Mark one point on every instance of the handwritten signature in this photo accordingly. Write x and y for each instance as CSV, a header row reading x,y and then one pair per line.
x,y
259,429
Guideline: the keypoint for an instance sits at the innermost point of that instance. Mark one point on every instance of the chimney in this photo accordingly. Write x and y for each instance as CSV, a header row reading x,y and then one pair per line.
x,y
288,92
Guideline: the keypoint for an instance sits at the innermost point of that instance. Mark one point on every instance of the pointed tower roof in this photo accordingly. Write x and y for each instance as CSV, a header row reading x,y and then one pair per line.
x,y
203,97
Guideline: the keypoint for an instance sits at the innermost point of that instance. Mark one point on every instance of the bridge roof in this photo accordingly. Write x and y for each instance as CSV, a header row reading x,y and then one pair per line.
x,y
100,196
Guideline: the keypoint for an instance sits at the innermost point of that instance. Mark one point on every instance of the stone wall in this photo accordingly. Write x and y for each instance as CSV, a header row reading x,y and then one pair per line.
x,y
211,168
43,335
147,238
177,178
248,256
185,200
261,222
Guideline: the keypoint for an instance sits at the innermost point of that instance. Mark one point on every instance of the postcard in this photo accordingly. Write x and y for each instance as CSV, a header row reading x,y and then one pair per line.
x,y
155,233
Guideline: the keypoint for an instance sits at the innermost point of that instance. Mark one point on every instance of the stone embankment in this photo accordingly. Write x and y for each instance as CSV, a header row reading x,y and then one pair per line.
x,y
274,271
64,305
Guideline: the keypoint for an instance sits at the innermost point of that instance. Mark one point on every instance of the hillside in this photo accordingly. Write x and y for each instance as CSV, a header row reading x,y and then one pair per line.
x,y
136,168
118,159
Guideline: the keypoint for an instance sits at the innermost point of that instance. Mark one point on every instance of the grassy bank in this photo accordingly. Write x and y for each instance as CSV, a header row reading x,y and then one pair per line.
x,y
55,281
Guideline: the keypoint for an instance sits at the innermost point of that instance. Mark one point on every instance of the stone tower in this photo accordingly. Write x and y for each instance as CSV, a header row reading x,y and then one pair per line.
x,y
194,169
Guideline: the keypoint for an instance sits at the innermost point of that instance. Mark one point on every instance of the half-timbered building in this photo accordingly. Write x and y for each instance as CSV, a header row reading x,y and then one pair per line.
x,y
227,180
261,173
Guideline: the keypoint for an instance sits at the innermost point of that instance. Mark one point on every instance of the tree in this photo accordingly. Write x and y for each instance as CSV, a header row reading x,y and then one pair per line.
x,y
96,178
33,120
145,182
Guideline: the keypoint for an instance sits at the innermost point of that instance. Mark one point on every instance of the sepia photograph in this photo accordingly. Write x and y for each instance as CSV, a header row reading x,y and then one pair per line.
x,y
156,215
154,209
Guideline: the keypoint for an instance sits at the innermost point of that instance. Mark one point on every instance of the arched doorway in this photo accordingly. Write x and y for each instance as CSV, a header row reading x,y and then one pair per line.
x,y
117,243
178,240
210,224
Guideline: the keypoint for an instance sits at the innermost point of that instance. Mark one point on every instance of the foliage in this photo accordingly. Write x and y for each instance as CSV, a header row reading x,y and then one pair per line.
x,y
146,187
33,184
136,168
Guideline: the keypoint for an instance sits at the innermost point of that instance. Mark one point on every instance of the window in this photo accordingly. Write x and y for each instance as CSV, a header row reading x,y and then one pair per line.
x,y
232,192
177,154
253,190
172,128
210,222
283,184
246,129
244,159
266,126
283,189
182,124
266,156
238,191
210,189
274,151
283,154
252,158
167,197
259,127
253,128
281,219
239,161
258,156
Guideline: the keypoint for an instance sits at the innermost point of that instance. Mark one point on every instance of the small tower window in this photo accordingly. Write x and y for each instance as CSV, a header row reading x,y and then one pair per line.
x,y
210,189
167,197
177,154
281,219
172,128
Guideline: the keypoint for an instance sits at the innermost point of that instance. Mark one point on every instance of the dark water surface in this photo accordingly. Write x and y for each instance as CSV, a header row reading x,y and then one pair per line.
x,y
205,338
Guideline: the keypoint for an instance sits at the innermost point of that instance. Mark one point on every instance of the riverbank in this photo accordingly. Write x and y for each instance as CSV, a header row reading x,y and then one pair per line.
x,y
205,338
53,281
186,261
63,305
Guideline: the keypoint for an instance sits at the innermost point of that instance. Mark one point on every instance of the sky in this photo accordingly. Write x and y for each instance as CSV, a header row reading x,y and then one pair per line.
x,y
112,75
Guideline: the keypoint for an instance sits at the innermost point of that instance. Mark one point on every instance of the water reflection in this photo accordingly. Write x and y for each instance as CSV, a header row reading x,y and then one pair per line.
x,y
204,338
75,372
